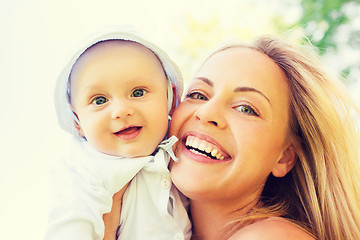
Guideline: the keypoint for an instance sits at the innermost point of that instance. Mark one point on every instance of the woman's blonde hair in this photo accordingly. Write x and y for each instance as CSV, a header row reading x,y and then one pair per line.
x,y
321,192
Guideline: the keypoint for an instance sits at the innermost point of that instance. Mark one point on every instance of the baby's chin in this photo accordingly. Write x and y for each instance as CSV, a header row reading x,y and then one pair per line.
x,y
135,153
125,150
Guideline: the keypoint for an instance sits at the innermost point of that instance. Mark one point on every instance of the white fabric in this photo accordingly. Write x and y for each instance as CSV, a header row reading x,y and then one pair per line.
x,y
85,180
64,113
152,208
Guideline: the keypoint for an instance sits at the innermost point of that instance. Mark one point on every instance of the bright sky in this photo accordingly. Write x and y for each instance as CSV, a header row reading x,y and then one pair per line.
x,y
38,36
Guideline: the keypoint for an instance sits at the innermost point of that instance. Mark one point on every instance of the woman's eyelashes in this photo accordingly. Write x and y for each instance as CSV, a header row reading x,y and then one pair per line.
x,y
196,95
247,109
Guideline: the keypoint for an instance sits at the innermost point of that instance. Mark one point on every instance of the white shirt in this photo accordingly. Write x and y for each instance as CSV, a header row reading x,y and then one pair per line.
x,y
85,181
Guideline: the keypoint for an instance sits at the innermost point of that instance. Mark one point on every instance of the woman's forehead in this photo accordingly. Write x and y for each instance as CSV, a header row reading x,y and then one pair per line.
x,y
243,67
240,63
241,55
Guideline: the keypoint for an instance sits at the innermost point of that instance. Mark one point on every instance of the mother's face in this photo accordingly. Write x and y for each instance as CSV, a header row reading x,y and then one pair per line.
x,y
232,128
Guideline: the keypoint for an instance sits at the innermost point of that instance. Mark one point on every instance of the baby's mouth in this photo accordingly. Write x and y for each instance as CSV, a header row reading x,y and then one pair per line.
x,y
129,132
207,149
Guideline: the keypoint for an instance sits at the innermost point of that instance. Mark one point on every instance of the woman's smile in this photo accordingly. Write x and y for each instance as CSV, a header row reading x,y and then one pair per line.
x,y
203,148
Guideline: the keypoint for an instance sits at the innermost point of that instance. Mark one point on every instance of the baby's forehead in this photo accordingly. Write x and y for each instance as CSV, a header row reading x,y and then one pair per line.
x,y
109,46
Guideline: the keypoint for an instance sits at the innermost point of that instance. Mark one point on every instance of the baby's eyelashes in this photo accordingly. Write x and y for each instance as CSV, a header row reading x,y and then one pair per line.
x,y
139,92
99,100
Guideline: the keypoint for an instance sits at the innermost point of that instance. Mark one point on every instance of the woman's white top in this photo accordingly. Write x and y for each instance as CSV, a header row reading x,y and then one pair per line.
x,y
85,180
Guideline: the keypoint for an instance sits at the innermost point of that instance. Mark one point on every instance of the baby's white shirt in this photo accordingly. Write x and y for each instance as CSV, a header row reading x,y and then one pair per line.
x,y
84,182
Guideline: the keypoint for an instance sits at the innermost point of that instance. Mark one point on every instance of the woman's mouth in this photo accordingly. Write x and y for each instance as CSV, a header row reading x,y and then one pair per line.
x,y
129,133
204,148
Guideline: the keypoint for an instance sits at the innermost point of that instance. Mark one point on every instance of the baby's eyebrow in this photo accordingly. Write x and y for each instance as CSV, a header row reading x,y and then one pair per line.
x,y
250,89
92,87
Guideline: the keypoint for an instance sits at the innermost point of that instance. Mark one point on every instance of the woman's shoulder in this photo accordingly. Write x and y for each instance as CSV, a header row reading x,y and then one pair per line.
x,y
271,229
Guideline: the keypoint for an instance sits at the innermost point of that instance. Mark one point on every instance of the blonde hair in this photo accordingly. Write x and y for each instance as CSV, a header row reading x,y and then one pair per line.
x,y
320,193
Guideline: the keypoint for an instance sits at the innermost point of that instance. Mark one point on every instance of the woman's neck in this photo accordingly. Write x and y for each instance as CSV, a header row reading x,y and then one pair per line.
x,y
211,218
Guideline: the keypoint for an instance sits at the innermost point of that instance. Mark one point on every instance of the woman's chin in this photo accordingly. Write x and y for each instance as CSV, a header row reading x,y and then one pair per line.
x,y
191,178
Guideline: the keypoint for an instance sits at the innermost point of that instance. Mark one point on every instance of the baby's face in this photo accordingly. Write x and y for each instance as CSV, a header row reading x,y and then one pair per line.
x,y
119,93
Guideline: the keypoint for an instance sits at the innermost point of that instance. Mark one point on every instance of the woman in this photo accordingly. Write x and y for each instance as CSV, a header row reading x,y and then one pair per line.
x,y
267,147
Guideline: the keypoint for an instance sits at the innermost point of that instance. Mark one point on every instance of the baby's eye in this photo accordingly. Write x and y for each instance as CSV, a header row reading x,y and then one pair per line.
x,y
196,95
246,109
99,100
138,92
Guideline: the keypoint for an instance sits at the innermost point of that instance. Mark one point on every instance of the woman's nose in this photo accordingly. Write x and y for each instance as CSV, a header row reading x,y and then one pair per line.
x,y
210,112
121,109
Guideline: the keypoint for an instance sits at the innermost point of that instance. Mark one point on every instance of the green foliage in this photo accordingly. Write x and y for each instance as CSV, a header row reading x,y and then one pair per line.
x,y
321,19
330,25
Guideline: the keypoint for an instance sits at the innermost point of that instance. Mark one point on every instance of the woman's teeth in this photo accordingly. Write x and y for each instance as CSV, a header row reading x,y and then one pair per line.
x,y
204,148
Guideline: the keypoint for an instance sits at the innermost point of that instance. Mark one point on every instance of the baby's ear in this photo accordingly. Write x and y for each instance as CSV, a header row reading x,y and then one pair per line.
x,y
174,96
76,122
286,162
78,128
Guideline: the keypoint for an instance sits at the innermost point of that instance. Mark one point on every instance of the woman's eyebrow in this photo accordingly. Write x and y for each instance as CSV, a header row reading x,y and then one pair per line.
x,y
249,89
238,89
206,80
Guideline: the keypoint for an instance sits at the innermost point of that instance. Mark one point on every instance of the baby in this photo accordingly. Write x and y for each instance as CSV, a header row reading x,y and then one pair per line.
x,y
115,97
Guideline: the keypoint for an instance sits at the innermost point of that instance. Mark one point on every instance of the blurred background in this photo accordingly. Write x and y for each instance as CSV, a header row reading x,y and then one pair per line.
x,y
38,36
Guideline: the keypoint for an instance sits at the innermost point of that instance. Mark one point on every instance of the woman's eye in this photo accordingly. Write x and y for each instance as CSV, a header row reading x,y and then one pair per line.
x,y
196,95
99,100
247,110
138,92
